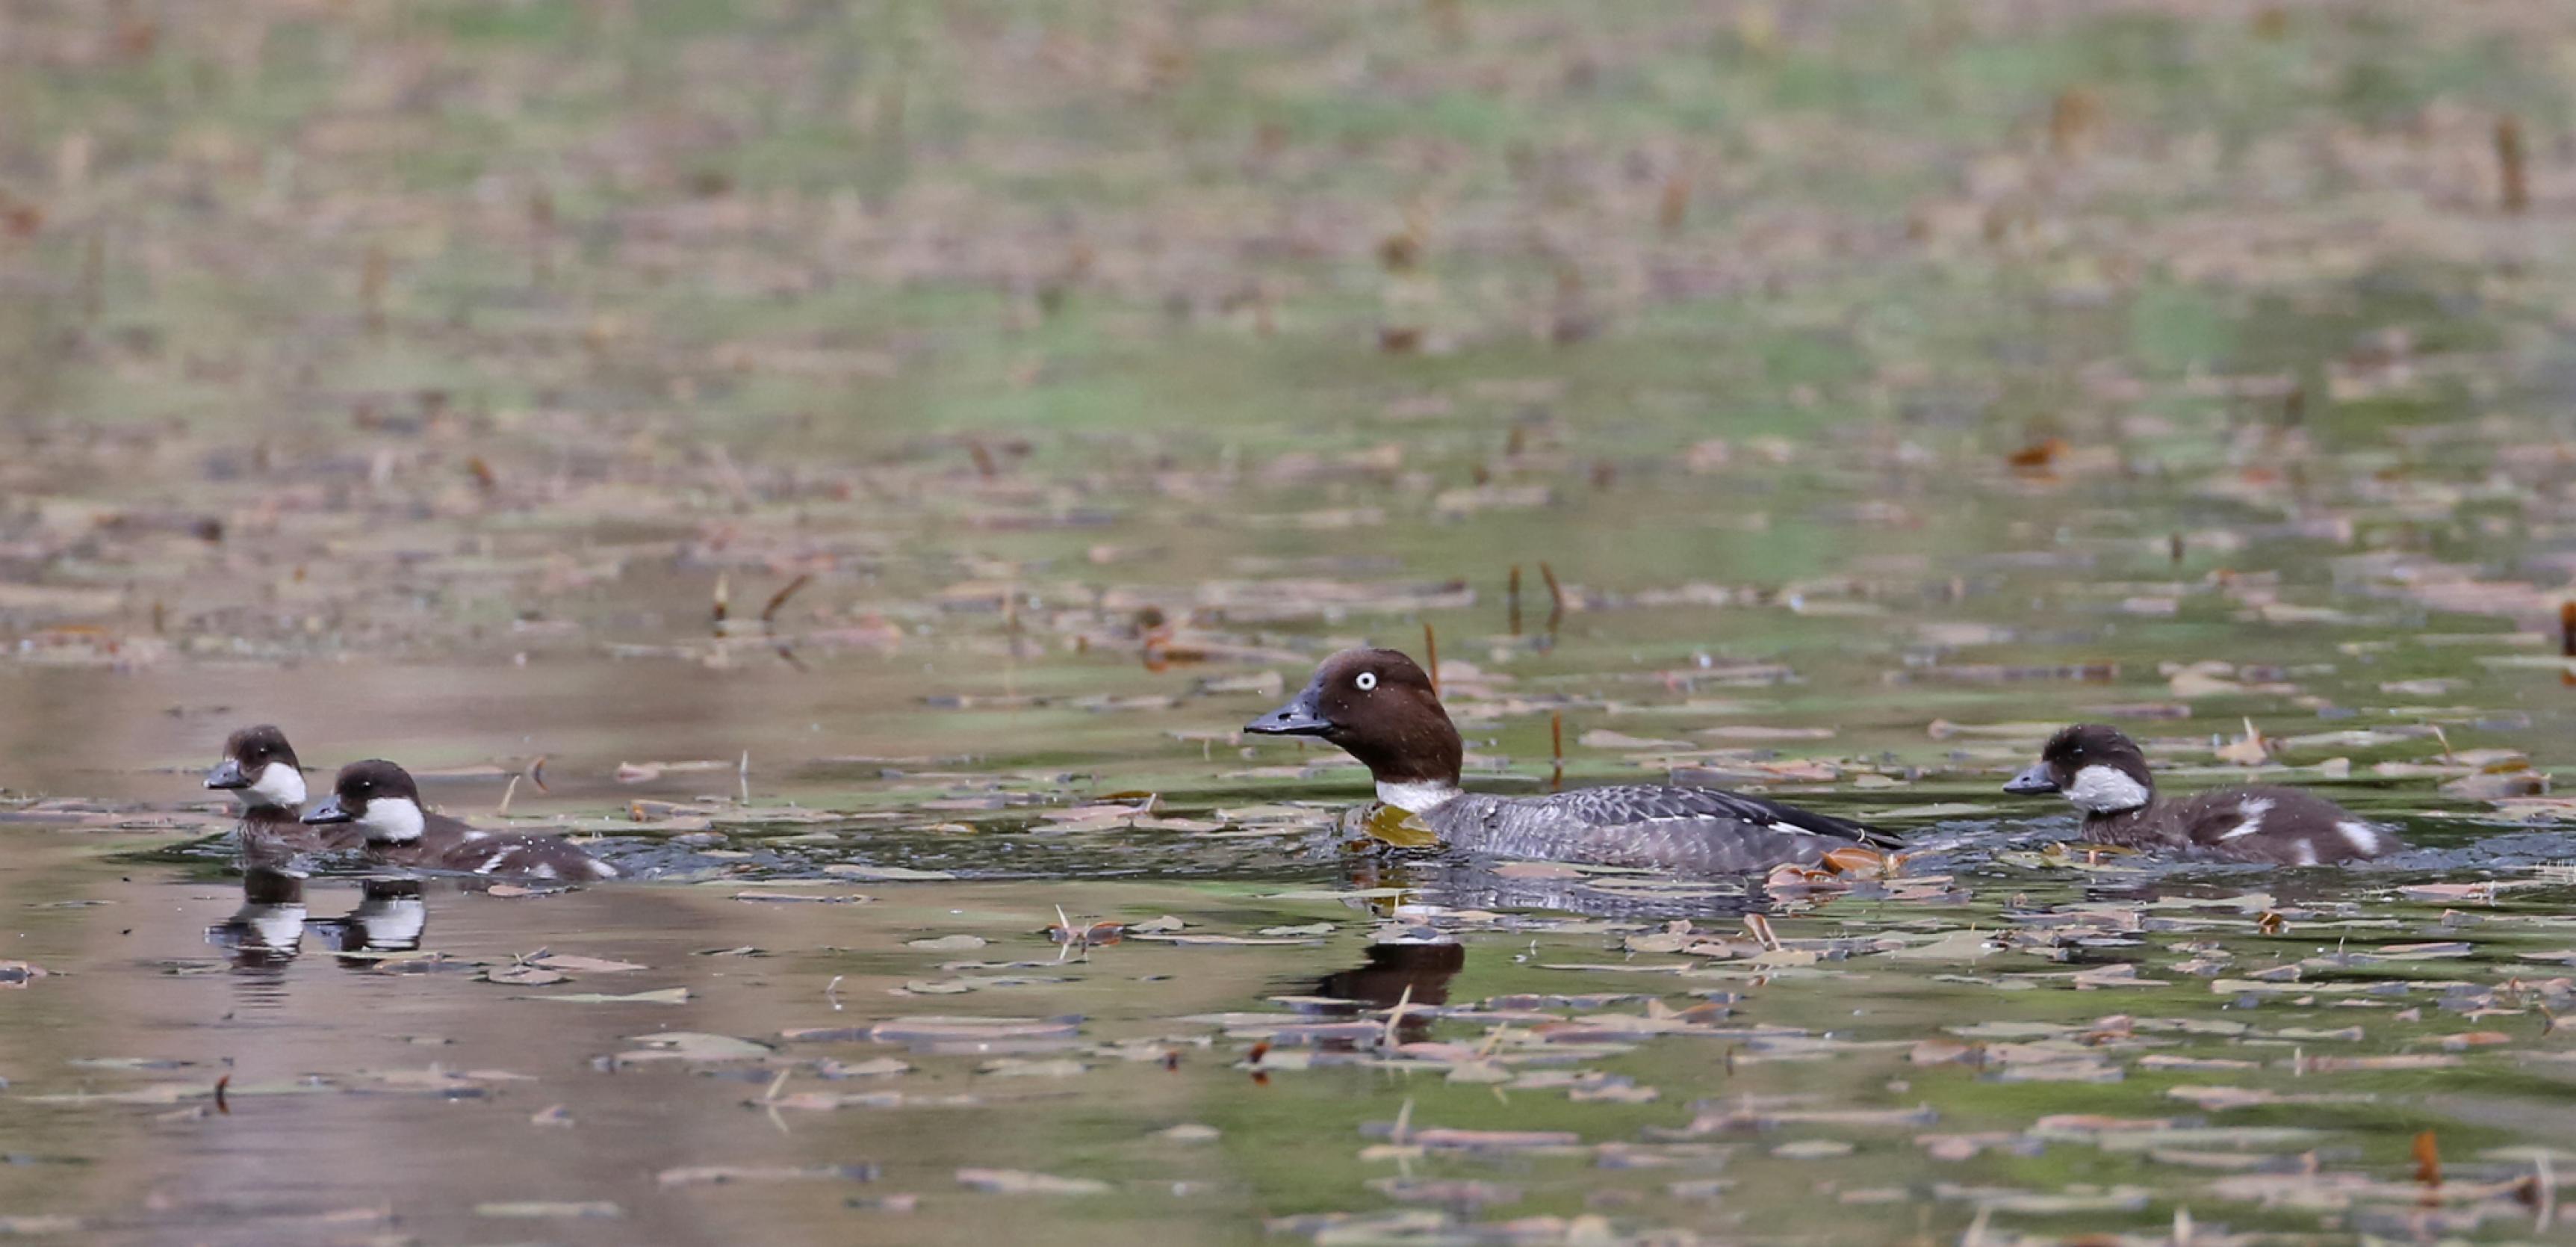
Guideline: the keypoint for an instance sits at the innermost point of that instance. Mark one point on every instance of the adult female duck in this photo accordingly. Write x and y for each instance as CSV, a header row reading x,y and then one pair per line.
x,y
1378,706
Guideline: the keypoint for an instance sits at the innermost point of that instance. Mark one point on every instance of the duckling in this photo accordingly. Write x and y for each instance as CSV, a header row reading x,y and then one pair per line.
x,y
2105,774
383,802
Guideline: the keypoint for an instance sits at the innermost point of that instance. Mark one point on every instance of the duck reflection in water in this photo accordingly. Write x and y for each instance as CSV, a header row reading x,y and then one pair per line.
x,y
1411,968
268,930
391,916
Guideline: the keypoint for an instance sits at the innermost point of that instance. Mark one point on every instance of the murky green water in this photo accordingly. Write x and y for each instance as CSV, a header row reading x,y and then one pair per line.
x,y
868,506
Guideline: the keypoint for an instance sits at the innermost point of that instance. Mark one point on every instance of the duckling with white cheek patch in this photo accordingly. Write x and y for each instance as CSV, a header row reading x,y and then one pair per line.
x,y
381,800
259,769
2105,774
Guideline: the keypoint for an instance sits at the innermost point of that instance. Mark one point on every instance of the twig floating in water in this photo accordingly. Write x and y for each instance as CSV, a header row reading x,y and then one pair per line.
x,y
2545,1194
1512,600
723,604
1431,658
2428,1165
769,613
1555,596
2567,640
1395,1016
371,288
503,811
93,276
1556,742
2509,164
1672,208
541,229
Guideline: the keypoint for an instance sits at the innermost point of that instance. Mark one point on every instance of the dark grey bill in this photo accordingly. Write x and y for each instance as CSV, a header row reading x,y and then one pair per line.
x,y
329,811
1297,718
2033,780
227,774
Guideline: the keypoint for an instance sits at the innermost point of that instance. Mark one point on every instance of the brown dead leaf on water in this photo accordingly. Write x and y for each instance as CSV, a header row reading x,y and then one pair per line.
x,y
526,1210
665,996
1024,1182
2250,749
693,1046
733,1175
1394,825
524,976
572,963
814,898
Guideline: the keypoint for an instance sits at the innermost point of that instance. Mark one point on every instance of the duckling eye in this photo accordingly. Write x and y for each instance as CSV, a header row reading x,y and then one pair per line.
x,y
1367,680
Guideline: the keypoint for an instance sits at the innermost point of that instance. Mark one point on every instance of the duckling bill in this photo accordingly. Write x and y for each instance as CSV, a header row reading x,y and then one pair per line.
x,y
381,800
1379,706
2104,774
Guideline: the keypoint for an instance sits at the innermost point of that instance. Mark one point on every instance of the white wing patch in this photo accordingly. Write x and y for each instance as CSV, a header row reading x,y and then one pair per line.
x,y
2252,809
1777,824
2363,837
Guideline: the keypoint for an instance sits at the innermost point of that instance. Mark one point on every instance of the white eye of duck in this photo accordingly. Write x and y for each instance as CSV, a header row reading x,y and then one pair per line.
x,y
1367,680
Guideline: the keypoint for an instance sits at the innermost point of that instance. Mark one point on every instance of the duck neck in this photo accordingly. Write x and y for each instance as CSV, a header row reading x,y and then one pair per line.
x,y
2115,818
1418,796
2109,792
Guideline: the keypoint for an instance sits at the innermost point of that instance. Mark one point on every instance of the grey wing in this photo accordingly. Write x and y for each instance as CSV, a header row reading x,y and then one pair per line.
x,y
1640,803
1695,830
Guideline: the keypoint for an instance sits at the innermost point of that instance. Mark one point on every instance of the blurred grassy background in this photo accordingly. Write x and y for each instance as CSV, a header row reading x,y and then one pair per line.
x,y
857,222
338,327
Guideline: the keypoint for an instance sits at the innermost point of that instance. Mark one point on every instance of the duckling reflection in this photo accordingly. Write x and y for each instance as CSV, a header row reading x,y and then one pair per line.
x,y
268,930
391,916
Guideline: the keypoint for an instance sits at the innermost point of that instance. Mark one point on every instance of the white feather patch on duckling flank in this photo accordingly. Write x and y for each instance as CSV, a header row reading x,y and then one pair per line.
x,y
393,820
2253,809
278,784
2363,837
2106,790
